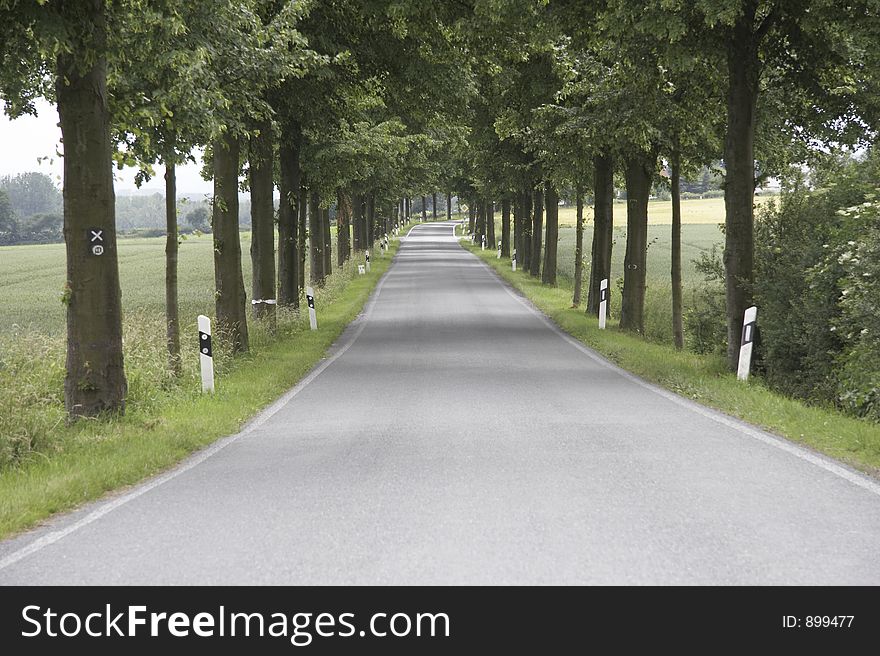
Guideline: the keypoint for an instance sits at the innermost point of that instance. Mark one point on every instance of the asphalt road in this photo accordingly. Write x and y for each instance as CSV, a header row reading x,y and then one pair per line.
x,y
454,436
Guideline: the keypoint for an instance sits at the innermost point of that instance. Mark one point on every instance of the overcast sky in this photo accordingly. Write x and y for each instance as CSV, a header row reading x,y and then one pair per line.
x,y
28,138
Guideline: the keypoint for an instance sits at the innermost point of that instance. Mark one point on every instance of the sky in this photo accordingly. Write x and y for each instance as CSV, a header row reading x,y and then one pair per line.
x,y
28,138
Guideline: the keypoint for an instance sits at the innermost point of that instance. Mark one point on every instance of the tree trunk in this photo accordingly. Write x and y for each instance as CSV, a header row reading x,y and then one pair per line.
x,y
739,179
357,211
505,227
172,247
548,276
472,218
517,230
95,379
578,249
490,225
537,228
316,240
526,252
603,232
638,188
262,187
302,216
434,205
230,295
343,223
481,222
424,209
449,206
675,182
288,220
327,248
370,222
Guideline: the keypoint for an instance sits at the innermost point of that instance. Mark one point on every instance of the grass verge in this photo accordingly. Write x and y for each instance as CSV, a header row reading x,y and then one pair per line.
x,y
704,379
86,460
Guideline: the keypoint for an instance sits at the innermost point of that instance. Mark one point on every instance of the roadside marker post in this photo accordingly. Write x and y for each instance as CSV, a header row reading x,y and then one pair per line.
x,y
499,249
748,339
206,354
368,261
310,299
484,242
603,302
513,260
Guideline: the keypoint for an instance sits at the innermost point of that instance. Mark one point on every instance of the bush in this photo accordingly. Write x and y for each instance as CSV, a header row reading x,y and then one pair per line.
x,y
858,324
705,322
816,290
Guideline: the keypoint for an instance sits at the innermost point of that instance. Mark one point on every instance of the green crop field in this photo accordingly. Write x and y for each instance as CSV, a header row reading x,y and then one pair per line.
x,y
32,279
694,211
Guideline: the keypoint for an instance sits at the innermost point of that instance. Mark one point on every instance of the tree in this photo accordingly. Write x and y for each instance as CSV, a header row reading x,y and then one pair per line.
x,y
66,44
8,222
260,157
796,75
32,193
199,218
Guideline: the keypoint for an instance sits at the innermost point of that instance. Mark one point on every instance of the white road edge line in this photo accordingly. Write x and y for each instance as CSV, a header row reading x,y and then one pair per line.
x,y
200,456
824,462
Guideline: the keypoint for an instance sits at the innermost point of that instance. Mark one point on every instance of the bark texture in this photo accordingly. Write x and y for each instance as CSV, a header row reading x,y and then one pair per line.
x,y
95,379
638,188
677,319
288,219
743,66
578,248
230,295
537,232
262,187
172,248
551,196
603,231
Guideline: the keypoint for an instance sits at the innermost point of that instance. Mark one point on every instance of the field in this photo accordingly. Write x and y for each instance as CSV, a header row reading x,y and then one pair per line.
x,y
32,278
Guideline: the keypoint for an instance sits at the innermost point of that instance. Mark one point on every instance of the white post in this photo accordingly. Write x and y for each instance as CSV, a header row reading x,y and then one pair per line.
x,y
499,249
310,299
748,338
484,242
603,302
513,260
206,354
368,261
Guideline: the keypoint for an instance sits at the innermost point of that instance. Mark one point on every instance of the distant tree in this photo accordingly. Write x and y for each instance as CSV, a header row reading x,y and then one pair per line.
x,y
42,228
199,218
8,224
32,193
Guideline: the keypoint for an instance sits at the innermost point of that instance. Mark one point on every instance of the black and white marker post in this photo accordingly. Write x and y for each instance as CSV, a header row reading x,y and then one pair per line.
x,y
603,302
206,354
499,249
310,299
513,260
484,242
748,338
368,261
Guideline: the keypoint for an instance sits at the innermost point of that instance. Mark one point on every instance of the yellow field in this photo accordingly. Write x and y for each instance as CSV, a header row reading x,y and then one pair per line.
x,y
698,211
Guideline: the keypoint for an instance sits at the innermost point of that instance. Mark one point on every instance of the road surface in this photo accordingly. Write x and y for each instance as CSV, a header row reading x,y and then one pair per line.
x,y
454,436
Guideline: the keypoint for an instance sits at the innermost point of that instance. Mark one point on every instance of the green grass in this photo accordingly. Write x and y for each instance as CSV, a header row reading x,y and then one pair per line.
x,y
703,378
47,466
